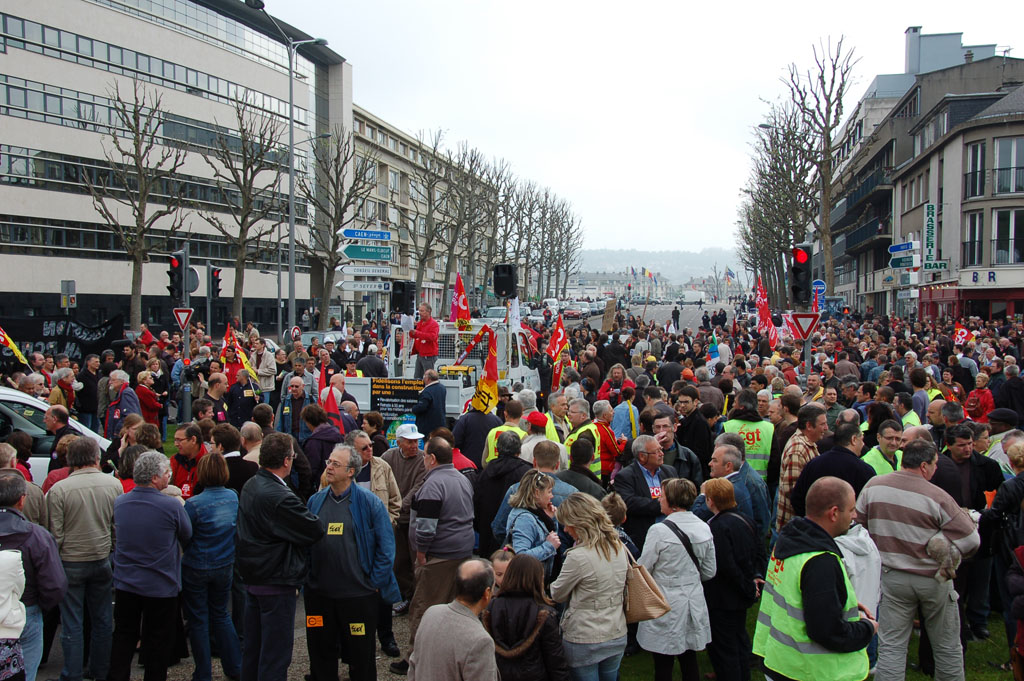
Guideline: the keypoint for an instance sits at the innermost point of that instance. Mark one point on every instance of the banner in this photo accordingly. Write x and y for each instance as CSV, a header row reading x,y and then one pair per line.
x,y
962,335
486,396
60,335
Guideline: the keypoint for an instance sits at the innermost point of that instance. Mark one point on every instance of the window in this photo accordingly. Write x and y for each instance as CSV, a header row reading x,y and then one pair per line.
x,y
974,179
1008,240
1010,164
393,180
973,233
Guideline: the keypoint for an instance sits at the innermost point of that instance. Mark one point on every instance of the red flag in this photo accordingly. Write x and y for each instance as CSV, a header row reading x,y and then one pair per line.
x,y
962,335
558,340
486,396
460,305
333,413
322,383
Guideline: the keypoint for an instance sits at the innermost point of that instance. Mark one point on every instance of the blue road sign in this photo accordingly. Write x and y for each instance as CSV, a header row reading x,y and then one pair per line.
x,y
818,286
905,246
371,234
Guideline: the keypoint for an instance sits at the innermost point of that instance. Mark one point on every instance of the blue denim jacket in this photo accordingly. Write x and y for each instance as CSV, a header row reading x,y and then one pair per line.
x,y
214,516
528,535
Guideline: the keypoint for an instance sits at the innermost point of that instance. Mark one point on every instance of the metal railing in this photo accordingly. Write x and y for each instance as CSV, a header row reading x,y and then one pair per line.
x,y
974,183
867,231
1007,251
970,254
1009,180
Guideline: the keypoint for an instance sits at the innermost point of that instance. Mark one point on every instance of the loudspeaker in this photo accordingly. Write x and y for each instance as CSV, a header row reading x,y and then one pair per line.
x,y
506,280
403,297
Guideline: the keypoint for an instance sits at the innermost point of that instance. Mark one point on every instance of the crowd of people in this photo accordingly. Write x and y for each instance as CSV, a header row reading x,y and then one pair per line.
x,y
881,485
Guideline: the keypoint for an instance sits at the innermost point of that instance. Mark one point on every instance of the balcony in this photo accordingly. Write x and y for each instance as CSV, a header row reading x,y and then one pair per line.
x,y
1009,180
839,247
867,232
845,210
970,254
1007,252
838,211
974,184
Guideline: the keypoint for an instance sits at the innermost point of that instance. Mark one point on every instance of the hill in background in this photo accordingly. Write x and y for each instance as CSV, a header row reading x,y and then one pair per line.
x,y
676,266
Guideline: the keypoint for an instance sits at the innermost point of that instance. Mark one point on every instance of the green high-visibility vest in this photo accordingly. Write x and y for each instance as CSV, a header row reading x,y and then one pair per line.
x,y
757,435
781,633
877,460
595,463
491,445
911,419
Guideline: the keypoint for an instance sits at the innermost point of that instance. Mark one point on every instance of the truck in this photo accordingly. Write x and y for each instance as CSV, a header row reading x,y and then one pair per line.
x,y
394,396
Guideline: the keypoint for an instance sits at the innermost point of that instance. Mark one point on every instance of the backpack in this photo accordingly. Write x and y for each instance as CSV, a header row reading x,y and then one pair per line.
x,y
973,406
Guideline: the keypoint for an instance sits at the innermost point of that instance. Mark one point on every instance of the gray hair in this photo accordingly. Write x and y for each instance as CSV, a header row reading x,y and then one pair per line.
x,y
63,373
1011,370
734,440
7,455
553,398
601,407
355,462
242,373
953,411
571,393
251,431
509,443
702,374
204,351
580,404
848,416
353,435
149,464
527,398
640,444
119,375
765,393
731,454
12,489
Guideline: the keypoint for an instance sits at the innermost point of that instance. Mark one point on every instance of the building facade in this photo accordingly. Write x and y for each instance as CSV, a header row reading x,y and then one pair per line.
x,y
63,61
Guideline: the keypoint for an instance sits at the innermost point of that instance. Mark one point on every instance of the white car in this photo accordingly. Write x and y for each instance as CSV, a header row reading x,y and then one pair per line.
x,y
19,411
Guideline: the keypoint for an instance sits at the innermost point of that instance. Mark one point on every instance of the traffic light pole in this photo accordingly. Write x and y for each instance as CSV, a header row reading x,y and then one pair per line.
x,y
209,298
186,402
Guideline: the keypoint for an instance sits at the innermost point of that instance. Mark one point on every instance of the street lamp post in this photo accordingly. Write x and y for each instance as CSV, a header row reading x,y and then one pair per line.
x,y
293,46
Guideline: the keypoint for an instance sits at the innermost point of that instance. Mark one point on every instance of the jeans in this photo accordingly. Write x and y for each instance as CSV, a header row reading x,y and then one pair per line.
x,y
32,641
205,595
90,421
269,635
605,670
89,583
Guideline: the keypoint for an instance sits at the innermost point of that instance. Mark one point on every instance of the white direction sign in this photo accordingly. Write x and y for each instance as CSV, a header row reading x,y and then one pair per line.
x,y
365,285
366,270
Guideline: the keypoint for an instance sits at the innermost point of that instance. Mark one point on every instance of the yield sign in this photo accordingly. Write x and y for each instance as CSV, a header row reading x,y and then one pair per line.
x,y
183,315
804,324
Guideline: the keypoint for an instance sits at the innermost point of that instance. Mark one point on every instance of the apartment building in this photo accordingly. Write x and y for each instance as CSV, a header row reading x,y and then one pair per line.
x,y
62,60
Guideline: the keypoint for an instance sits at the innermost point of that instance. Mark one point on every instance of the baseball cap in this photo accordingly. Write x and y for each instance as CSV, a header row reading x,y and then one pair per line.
x,y
537,419
372,349
687,373
407,431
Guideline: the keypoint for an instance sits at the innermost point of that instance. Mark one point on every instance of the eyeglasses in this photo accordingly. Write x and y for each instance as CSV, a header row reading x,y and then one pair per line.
x,y
331,463
365,447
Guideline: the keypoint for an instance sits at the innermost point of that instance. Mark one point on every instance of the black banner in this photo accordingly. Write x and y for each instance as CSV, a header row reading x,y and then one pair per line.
x,y
394,399
59,335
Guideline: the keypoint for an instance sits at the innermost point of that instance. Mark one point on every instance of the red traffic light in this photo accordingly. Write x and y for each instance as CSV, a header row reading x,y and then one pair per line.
x,y
800,256
174,262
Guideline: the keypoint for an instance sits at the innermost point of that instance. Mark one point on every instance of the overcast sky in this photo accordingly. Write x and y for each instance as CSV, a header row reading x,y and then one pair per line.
x,y
640,114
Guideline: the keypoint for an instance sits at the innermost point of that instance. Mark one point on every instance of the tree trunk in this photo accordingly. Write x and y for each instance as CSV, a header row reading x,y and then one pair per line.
x,y
826,234
236,292
327,293
135,310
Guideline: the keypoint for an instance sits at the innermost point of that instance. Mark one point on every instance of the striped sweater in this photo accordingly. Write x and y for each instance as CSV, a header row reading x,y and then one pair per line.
x,y
902,511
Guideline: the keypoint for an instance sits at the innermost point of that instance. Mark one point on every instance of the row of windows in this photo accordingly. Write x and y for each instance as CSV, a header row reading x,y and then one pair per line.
x,y
61,106
385,140
53,42
1009,167
67,238
195,20
1007,237
59,172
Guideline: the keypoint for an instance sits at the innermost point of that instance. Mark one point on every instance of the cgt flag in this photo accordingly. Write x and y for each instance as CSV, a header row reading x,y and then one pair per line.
x,y
486,396
558,340
460,305
231,340
7,342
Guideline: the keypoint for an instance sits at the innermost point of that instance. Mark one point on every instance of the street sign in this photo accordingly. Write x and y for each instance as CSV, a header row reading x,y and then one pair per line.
x,y
183,315
804,324
935,265
364,285
908,294
68,301
296,333
905,261
361,252
366,270
370,234
818,286
905,246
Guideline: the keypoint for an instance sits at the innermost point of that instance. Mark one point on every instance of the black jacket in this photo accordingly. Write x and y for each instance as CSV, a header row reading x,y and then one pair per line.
x,y
241,399
641,509
527,641
318,448
986,476
471,431
821,584
1007,515
740,558
694,433
1011,395
840,463
274,530
489,490
429,409
669,373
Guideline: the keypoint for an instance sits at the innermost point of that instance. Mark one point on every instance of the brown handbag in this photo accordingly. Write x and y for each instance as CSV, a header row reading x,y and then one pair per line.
x,y
642,599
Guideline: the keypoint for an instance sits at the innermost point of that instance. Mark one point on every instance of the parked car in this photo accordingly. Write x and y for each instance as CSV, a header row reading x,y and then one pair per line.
x,y
495,313
19,411
574,311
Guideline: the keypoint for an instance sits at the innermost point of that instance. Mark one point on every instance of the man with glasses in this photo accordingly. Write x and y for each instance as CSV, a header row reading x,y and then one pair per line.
x,y
290,408
376,476
640,484
275,530
885,456
351,569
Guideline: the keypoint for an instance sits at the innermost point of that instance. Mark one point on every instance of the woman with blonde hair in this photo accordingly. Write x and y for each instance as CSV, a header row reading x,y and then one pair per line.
x,y
591,581
680,555
530,527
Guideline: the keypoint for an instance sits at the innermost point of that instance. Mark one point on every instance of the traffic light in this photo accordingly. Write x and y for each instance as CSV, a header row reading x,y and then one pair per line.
x,y
215,283
176,276
800,274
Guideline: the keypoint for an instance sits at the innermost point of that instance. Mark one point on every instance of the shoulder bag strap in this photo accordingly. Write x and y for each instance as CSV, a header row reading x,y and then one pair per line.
x,y
685,540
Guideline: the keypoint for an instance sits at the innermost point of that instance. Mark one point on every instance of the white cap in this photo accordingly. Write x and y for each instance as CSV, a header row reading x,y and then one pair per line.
x,y
372,349
407,431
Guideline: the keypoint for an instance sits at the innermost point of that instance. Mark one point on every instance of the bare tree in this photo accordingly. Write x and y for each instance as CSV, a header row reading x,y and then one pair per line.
x,y
247,171
428,200
343,182
141,180
818,95
465,208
